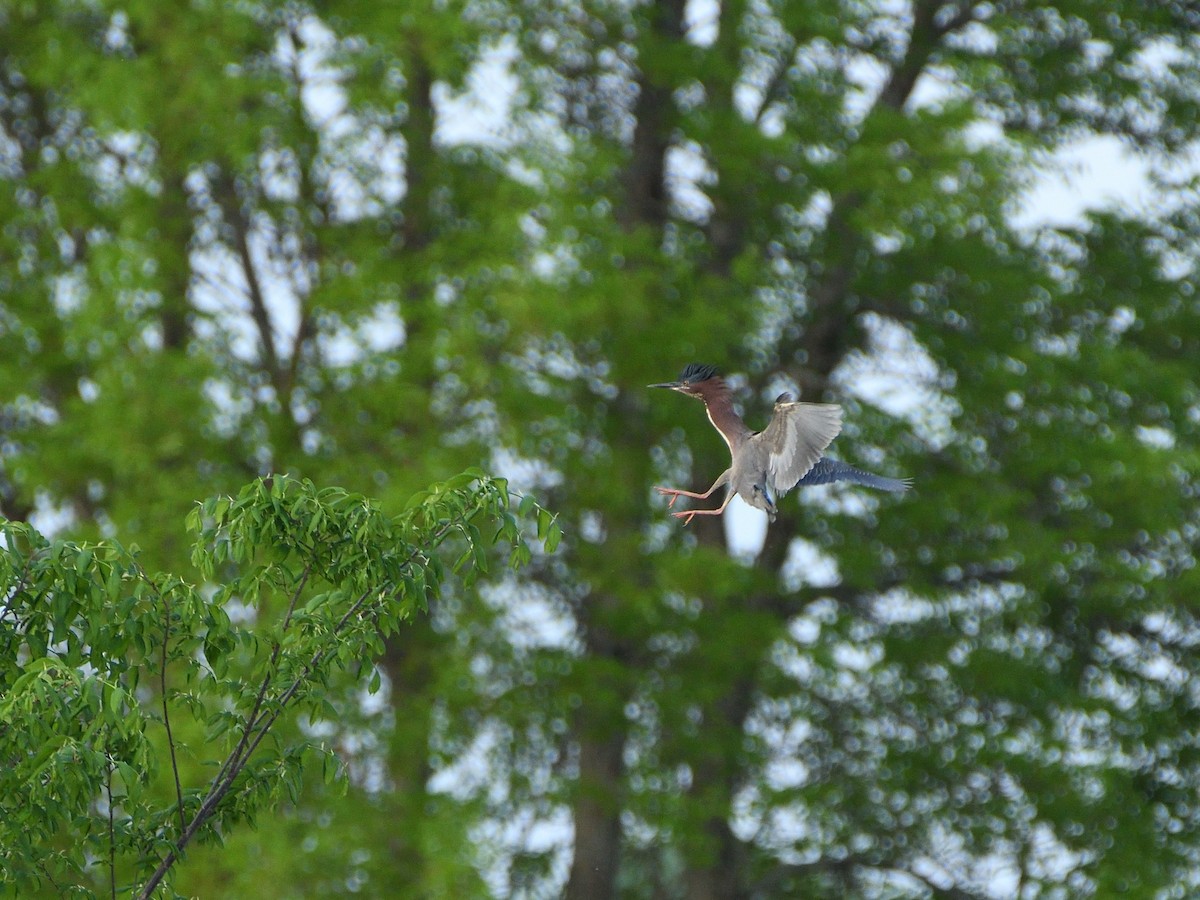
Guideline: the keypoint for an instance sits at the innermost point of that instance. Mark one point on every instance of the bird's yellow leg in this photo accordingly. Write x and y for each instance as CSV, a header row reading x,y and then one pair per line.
x,y
688,514
676,493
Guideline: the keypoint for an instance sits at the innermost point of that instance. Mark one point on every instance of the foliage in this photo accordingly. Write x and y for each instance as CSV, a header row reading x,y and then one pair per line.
x,y
99,654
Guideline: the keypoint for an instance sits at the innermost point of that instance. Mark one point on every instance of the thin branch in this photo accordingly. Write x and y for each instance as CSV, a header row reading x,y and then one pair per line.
x,y
63,890
234,760
311,248
162,686
240,225
774,88
162,690
963,16
223,286
770,882
305,330
951,893
112,839
11,598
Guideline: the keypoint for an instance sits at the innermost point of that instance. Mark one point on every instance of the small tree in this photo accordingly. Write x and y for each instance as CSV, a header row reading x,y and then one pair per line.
x,y
96,655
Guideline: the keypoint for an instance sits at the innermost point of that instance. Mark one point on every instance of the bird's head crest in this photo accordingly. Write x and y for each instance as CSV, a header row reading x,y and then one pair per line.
x,y
695,372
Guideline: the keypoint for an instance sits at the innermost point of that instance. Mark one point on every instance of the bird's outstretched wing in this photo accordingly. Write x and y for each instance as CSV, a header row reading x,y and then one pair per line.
x,y
795,439
827,471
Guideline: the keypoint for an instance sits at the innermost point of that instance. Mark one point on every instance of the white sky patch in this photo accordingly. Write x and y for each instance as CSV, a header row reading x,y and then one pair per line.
x,y
524,473
981,133
526,832
470,771
532,618
69,292
340,349
896,374
379,332
51,518
856,658
745,528
899,606
228,411
482,113
1093,173
384,329
867,74
686,171
1155,436
89,391
806,564
934,87
324,99
701,20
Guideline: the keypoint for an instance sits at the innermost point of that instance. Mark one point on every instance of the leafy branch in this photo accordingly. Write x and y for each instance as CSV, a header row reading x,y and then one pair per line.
x,y
325,576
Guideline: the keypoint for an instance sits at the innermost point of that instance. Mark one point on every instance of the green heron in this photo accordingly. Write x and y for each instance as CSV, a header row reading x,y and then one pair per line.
x,y
770,463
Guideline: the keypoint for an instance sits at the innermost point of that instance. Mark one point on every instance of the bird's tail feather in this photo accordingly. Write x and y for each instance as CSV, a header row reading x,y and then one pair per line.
x,y
827,471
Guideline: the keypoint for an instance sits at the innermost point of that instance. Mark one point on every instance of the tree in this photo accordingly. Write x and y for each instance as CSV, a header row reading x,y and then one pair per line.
x,y
319,578
203,283
920,725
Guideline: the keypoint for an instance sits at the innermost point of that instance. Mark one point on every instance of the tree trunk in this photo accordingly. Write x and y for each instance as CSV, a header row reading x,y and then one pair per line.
x,y
597,817
600,731
646,199
410,659
715,872
600,727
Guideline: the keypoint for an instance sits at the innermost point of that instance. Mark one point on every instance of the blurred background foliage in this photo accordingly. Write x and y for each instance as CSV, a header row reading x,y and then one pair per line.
x,y
373,244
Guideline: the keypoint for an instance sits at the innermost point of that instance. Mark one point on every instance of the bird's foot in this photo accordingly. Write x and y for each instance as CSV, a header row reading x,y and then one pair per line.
x,y
669,492
685,514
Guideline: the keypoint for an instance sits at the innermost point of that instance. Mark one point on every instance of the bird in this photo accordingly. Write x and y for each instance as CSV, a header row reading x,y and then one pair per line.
x,y
788,453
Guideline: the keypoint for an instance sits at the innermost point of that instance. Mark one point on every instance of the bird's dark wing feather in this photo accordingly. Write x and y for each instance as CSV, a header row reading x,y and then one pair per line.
x,y
827,471
795,439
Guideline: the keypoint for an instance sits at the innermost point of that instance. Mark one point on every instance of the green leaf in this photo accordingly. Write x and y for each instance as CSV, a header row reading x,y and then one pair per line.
x,y
553,536
460,481
417,499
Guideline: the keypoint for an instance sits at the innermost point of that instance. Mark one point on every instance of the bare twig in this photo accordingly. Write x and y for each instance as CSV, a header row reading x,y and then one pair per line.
x,y
162,685
16,592
775,85
112,839
162,690
258,303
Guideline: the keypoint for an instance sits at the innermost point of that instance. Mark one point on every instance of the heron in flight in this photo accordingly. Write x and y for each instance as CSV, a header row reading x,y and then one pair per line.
x,y
769,463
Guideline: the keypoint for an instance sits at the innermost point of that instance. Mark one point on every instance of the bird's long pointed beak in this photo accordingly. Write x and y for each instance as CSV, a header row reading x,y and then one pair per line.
x,y
670,385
